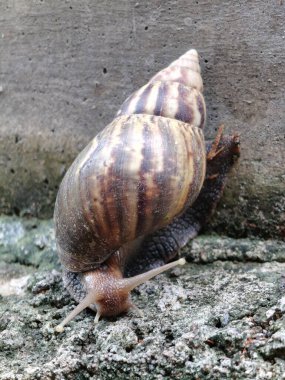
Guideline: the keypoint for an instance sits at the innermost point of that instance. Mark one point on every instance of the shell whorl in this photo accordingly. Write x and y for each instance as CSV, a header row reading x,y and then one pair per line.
x,y
146,167
174,92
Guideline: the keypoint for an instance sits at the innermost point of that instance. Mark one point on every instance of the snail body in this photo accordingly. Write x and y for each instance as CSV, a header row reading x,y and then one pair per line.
x,y
145,169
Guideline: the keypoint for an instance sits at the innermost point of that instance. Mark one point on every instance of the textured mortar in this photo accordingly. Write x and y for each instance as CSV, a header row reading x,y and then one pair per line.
x,y
221,316
67,66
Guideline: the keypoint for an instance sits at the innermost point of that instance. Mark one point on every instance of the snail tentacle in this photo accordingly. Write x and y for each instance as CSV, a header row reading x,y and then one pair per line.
x,y
97,317
86,302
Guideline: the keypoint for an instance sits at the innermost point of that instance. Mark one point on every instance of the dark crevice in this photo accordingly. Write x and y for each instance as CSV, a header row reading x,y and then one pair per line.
x,y
16,211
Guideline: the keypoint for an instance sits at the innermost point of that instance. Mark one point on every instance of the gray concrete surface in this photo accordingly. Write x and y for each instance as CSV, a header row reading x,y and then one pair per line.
x,y
65,67
221,316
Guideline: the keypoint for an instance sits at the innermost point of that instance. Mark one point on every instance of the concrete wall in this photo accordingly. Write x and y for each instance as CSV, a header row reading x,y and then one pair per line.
x,y
66,66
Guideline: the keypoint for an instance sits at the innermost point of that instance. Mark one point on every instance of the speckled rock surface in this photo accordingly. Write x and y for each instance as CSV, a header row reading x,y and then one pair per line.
x,y
221,316
66,67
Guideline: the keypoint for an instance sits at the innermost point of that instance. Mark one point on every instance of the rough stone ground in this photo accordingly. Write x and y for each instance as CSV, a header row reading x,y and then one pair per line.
x,y
222,316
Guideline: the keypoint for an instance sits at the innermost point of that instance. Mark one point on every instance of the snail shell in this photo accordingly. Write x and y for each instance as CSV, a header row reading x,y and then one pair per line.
x,y
145,168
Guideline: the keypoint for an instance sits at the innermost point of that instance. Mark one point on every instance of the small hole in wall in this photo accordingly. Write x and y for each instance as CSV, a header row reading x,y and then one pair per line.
x,y
12,171
105,70
146,28
218,323
16,211
205,60
45,181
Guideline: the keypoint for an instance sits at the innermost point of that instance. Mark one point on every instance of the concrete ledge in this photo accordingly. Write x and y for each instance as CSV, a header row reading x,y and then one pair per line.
x,y
65,68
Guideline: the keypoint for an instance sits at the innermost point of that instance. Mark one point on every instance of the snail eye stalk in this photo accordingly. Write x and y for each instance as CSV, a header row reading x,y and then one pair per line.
x,y
133,282
86,302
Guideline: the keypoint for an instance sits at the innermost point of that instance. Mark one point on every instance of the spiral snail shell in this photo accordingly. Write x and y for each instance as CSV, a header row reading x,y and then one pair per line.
x,y
136,177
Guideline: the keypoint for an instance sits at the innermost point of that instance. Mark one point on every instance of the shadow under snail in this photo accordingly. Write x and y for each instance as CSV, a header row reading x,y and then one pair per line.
x,y
140,190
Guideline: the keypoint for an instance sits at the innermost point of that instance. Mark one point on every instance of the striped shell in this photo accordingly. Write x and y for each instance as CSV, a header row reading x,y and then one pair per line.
x,y
140,172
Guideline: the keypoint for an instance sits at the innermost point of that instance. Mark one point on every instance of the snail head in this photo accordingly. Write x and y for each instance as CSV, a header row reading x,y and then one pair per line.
x,y
110,292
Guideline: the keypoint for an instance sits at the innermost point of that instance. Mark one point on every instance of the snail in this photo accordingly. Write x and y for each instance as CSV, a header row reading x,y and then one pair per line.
x,y
142,188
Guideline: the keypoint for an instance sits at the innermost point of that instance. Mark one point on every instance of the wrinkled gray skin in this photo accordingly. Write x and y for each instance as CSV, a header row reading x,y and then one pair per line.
x,y
219,317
